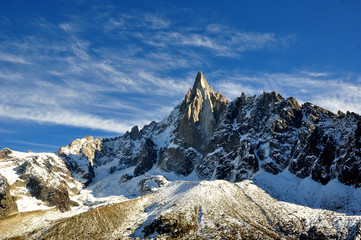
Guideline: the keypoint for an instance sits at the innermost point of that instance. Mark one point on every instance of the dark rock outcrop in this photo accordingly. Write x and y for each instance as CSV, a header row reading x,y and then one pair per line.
x,y
135,134
179,160
4,153
316,234
7,201
146,159
53,195
151,183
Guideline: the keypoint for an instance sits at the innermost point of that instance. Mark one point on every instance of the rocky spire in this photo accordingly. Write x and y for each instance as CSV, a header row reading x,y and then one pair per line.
x,y
201,83
201,108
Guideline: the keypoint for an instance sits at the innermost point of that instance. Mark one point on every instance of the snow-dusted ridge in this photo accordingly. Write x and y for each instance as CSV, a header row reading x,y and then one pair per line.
x,y
257,166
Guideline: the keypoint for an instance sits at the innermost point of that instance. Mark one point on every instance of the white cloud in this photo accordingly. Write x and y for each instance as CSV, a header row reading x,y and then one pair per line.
x,y
163,86
156,22
35,144
339,103
214,28
198,40
64,117
248,41
125,21
84,88
9,76
230,43
7,131
79,48
66,27
315,74
6,57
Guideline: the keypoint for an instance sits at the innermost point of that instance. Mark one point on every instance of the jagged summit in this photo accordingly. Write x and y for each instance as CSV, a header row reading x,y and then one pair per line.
x,y
201,109
201,83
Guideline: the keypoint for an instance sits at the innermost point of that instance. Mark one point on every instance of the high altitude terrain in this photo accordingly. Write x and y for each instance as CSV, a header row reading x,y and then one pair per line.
x,y
255,167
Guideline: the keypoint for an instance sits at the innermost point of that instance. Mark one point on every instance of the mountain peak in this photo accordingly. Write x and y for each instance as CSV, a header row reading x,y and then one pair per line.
x,y
201,83
199,76
201,109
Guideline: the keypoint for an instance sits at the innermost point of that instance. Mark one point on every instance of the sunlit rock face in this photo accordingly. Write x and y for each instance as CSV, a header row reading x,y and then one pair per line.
x,y
86,146
79,156
200,113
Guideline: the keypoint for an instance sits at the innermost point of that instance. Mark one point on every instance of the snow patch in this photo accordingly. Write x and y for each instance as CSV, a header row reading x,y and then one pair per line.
x,y
334,196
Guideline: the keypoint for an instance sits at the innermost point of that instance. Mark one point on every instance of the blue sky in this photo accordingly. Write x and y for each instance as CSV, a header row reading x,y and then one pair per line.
x,y
70,69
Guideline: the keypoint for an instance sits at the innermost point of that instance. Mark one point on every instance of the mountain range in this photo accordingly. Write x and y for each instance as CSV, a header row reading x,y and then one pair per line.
x,y
256,167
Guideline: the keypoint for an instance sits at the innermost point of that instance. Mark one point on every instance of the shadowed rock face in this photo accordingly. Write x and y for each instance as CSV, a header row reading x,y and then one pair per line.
x,y
147,157
7,202
52,195
79,156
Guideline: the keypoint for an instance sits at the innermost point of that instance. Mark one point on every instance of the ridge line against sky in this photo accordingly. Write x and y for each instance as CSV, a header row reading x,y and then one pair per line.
x,y
96,68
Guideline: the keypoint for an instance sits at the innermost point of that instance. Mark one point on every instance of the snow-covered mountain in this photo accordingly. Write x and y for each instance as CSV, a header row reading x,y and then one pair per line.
x,y
261,167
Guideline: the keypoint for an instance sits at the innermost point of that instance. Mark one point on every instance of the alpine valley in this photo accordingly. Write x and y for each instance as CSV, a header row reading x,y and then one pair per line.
x,y
257,167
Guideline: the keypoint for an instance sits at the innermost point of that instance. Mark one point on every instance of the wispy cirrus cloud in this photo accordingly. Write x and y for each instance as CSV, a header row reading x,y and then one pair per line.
x,y
156,22
64,117
6,57
35,144
229,44
130,22
163,34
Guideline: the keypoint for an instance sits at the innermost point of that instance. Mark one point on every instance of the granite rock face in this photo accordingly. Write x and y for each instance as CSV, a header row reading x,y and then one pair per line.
x,y
86,146
79,156
200,114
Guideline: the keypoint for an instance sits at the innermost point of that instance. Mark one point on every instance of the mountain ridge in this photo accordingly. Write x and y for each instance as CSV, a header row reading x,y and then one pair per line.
x,y
287,124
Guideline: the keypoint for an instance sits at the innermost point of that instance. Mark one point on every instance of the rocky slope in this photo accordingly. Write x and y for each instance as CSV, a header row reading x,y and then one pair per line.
x,y
180,210
279,159
35,181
